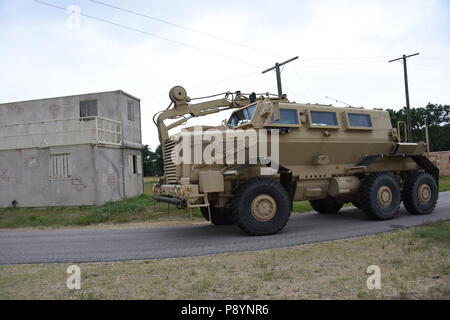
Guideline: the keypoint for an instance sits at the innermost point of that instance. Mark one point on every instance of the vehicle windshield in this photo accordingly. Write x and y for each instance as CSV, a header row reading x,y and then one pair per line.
x,y
242,116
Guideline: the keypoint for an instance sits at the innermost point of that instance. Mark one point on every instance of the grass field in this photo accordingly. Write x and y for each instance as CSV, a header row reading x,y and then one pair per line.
x,y
444,184
414,264
142,208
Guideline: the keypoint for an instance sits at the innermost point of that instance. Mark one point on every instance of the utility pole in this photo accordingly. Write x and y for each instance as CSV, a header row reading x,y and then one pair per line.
x,y
408,109
278,72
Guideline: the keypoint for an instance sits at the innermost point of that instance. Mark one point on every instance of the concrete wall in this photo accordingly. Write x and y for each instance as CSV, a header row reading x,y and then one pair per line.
x,y
111,105
25,178
99,173
442,160
114,176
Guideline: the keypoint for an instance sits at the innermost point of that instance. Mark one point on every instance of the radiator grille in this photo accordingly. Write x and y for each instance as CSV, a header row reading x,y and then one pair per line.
x,y
170,169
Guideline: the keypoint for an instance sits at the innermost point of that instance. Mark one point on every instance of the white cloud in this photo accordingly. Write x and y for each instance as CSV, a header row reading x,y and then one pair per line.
x,y
41,57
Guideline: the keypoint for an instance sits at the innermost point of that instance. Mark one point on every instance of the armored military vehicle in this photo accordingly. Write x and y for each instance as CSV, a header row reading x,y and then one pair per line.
x,y
327,155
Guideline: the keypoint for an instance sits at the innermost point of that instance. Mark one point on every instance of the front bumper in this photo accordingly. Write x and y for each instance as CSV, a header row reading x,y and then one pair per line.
x,y
177,194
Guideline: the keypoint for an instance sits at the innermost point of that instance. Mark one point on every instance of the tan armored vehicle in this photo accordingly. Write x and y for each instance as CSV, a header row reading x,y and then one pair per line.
x,y
326,155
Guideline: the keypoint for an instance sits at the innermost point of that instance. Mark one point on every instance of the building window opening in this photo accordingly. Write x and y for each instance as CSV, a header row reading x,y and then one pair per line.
x,y
131,109
60,167
88,109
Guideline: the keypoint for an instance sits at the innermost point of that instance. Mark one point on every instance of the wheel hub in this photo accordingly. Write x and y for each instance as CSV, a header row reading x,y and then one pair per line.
x,y
264,207
384,196
425,193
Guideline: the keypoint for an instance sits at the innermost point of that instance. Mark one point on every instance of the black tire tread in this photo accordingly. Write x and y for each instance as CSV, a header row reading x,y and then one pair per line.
x,y
365,198
239,193
408,194
219,216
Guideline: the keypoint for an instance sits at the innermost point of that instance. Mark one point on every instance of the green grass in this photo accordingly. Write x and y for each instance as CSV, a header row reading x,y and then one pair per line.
x,y
142,208
444,184
436,233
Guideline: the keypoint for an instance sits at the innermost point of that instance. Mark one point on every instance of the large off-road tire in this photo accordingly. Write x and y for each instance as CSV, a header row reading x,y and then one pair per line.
x,y
420,193
261,206
326,206
379,196
219,216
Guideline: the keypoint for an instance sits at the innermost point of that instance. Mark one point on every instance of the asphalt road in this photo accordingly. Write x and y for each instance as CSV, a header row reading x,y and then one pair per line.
x,y
185,241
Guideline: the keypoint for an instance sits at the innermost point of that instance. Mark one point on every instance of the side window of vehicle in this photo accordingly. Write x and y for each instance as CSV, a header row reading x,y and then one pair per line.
x,y
324,118
287,116
359,120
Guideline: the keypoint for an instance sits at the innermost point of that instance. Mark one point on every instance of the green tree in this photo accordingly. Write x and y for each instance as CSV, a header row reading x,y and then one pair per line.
x,y
438,120
153,161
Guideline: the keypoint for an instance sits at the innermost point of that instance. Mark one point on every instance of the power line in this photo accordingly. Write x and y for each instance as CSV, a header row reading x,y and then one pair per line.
x,y
436,59
431,66
207,84
191,29
311,91
338,65
148,34
184,27
346,58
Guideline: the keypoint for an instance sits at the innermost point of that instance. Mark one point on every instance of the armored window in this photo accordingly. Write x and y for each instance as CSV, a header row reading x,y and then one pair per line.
x,y
88,109
287,116
324,118
60,167
131,110
359,120
242,116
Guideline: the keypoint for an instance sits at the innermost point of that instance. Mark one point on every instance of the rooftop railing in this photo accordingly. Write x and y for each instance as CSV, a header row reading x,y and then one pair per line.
x,y
59,132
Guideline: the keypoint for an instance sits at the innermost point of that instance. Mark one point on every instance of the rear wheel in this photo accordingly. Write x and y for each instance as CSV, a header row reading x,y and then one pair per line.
x,y
261,206
326,206
219,216
379,196
420,193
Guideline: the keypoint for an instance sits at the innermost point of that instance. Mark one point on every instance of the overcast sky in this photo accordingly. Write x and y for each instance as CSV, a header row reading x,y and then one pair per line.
x,y
343,47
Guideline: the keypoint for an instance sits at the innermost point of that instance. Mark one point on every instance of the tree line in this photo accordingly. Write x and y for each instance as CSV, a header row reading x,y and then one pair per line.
x,y
438,121
437,116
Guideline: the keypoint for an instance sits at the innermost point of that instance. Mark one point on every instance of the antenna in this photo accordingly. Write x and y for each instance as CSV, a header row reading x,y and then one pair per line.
x,y
278,72
338,100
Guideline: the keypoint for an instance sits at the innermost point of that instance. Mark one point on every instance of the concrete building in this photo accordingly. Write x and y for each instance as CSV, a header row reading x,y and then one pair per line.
x,y
70,151
442,160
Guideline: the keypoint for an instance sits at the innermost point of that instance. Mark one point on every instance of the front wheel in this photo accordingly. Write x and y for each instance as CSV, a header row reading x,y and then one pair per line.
x,y
261,206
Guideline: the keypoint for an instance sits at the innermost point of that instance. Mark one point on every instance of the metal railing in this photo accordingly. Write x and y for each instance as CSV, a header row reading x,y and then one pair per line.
x,y
57,132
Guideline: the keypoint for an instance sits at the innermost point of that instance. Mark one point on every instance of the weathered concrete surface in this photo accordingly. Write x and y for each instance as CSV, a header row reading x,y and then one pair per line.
x,y
100,173
168,242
